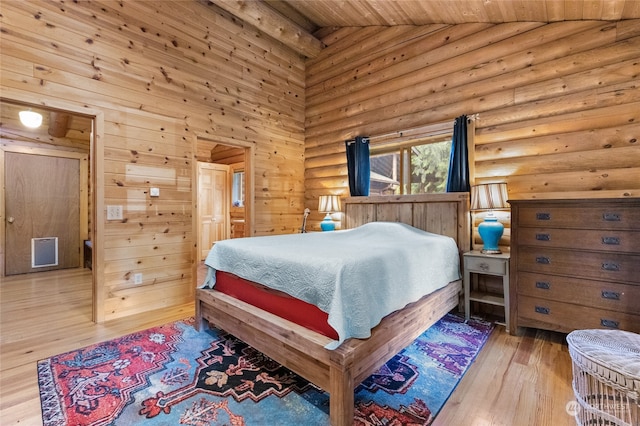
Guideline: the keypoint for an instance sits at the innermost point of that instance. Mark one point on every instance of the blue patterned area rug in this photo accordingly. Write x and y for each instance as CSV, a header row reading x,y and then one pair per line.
x,y
173,375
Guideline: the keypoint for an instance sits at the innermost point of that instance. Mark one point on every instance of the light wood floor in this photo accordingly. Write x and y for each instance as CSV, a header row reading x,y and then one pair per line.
x,y
515,381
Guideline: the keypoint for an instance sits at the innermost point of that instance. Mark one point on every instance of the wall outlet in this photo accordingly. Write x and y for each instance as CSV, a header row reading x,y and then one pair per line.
x,y
137,278
114,212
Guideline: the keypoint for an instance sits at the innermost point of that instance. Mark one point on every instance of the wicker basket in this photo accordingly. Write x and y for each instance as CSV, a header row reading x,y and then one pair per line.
x,y
606,376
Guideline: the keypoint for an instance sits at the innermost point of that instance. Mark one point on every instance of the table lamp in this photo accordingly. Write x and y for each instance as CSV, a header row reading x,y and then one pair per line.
x,y
328,204
490,197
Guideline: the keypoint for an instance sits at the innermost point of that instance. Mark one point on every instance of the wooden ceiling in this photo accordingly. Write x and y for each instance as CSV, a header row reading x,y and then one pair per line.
x,y
300,23
314,14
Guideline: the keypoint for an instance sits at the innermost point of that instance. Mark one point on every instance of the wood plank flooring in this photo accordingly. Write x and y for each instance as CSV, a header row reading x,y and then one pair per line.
x,y
515,380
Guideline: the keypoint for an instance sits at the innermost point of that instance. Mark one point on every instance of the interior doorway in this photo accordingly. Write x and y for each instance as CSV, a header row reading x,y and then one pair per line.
x,y
214,204
46,187
229,207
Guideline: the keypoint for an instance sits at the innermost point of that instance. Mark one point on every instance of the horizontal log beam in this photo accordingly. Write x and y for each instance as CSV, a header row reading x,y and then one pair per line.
x,y
272,23
58,124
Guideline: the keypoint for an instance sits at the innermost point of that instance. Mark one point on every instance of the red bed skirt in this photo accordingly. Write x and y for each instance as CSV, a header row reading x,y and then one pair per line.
x,y
275,302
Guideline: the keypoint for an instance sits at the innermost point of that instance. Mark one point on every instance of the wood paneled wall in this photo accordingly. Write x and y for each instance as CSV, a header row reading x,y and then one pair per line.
x,y
161,73
558,104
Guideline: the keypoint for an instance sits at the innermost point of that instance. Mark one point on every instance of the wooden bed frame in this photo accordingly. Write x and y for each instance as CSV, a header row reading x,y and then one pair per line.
x,y
301,350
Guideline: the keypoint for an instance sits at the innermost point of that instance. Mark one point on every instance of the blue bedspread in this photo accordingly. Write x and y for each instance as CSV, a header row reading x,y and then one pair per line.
x,y
357,276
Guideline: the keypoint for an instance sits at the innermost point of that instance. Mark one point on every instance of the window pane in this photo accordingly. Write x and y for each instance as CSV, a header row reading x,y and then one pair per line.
x,y
429,167
385,174
237,191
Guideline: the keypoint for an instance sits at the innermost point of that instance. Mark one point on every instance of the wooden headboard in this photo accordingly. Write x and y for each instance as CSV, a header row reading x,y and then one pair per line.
x,y
445,214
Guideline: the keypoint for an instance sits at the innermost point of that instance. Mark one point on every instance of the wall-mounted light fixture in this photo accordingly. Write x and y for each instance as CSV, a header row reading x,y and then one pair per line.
x,y
30,119
328,204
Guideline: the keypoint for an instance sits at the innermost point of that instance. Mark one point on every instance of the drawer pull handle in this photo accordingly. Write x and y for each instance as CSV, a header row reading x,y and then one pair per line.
x,y
545,260
543,285
610,266
543,237
484,266
543,216
613,295
612,241
611,217
542,310
609,323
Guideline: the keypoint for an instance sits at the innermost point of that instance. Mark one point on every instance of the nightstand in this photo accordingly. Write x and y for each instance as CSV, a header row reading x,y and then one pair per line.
x,y
476,262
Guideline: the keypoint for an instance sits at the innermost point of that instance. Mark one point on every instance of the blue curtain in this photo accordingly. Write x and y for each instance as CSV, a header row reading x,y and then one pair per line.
x,y
358,166
458,179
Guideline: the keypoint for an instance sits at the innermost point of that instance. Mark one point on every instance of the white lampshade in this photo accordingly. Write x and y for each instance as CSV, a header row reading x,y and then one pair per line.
x,y
30,119
329,204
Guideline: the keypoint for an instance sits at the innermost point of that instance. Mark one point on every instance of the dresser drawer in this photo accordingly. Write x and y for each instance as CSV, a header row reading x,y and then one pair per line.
x,y
600,266
588,239
566,317
597,294
237,228
600,217
485,265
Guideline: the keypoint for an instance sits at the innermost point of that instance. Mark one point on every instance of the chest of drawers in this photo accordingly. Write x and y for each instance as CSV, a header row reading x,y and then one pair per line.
x,y
575,264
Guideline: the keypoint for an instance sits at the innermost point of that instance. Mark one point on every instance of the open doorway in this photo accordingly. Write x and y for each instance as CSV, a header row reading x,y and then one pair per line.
x,y
46,197
214,205
223,193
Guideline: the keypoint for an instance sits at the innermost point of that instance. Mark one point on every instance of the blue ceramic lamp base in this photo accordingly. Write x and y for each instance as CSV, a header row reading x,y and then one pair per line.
x,y
490,231
327,223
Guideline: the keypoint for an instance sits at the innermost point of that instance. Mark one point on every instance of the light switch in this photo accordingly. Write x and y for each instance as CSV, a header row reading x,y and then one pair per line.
x,y
154,192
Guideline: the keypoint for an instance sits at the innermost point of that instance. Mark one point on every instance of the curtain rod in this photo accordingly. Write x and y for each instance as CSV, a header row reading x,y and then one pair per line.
x,y
431,128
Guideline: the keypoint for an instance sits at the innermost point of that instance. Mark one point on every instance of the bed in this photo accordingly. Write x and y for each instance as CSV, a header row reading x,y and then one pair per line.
x,y
310,353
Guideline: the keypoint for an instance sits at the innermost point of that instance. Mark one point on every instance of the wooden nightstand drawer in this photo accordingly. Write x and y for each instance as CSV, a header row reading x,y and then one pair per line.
x,y
485,265
566,317
578,291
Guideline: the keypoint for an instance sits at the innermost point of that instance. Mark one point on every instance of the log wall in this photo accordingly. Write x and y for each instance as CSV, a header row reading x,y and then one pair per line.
x,y
161,74
558,104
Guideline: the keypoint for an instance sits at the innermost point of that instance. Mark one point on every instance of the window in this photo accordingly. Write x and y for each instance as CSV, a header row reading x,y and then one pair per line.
x,y
237,188
415,166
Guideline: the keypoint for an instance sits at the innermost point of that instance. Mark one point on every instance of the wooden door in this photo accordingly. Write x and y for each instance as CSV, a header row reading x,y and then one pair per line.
x,y
213,205
42,199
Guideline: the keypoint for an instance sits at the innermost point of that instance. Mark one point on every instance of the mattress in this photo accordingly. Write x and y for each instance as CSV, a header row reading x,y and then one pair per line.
x,y
356,276
275,302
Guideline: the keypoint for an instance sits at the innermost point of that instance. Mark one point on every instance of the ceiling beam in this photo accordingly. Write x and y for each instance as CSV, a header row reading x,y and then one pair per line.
x,y
267,20
58,124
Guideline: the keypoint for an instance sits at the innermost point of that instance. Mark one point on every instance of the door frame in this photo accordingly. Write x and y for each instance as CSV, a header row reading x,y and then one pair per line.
x,y
96,182
249,176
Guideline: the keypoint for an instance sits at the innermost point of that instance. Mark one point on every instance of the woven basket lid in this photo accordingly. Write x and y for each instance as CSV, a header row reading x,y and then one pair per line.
x,y
616,349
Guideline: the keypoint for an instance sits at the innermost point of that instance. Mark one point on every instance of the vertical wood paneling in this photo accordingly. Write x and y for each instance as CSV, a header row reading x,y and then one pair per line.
x,y
162,73
557,104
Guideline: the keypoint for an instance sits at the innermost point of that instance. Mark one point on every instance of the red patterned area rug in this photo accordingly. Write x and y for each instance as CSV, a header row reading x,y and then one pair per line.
x,y
173,375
